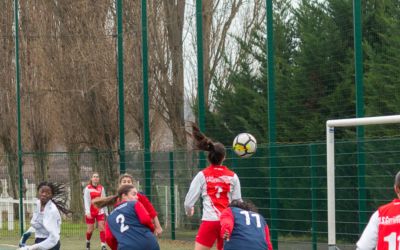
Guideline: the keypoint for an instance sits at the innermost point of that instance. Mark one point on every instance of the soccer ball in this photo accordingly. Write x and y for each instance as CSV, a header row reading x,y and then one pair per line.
x,y
244,145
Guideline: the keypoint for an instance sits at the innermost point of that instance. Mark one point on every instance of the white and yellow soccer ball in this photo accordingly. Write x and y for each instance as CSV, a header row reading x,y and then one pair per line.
x,y
244,145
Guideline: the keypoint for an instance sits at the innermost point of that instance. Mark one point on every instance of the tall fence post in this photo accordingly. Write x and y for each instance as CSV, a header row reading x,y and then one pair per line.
x,y
200,74
146,126
314,185
358,67
121,100
272,124
172,191
19,144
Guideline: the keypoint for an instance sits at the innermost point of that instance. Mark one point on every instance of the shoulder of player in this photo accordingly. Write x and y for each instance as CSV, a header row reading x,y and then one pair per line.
x,y
51,210
219,169
389,206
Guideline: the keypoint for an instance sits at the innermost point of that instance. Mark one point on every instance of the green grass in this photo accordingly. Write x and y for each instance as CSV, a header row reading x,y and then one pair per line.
x,y
74,243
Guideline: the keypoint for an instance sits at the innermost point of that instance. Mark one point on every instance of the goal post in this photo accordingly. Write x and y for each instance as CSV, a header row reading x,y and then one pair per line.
x,y
330,161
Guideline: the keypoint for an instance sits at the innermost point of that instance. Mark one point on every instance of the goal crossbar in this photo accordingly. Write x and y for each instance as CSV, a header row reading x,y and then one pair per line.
x,y
330,160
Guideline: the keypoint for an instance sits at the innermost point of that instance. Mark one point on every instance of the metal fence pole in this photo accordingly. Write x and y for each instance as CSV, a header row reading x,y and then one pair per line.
x,y
172,191
121,101
272,124
358,60
314,185
146,126
200,74
19,144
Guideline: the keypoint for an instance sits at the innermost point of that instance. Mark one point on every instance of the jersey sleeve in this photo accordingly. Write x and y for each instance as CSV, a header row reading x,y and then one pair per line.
x,y
236,193
147,205
267,237
227,222
110,239
369,237
194,191
86,200
143,216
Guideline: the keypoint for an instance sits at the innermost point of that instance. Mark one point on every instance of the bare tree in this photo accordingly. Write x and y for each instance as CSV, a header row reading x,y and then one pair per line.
x,y
34,74
167,45
8,131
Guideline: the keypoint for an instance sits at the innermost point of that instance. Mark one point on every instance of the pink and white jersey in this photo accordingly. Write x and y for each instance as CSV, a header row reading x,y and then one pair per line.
x,y
383,229
218,186
89,194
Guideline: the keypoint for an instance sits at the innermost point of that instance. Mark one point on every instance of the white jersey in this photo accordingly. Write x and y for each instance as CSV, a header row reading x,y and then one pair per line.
x,y
218,186
46,224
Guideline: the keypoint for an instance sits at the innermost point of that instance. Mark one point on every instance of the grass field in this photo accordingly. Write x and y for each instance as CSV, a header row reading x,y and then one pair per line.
x,y
77,243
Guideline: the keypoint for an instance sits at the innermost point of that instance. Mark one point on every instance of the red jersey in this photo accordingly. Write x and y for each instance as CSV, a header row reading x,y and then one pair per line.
x,y
218,186
383,229
89,194
389,226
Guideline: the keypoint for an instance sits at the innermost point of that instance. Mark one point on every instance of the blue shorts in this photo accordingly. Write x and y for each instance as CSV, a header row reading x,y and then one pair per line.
x,y
56,247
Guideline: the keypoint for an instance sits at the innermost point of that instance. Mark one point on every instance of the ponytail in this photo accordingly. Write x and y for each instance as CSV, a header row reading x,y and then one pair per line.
x,y
111,200
100,202
216,150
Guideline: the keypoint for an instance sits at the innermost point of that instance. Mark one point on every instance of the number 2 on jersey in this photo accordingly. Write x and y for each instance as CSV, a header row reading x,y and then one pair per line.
x,y
247,216
120,220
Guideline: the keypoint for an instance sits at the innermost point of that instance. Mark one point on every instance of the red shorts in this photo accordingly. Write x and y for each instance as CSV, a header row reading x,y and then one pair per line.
x,y
99,217
209,231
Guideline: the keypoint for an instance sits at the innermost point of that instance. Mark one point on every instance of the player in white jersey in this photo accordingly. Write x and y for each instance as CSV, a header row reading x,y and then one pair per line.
x,y
217,185
383,229
46,220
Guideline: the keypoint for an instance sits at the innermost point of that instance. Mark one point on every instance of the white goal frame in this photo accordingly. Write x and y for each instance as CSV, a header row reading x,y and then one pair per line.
x,y
330,160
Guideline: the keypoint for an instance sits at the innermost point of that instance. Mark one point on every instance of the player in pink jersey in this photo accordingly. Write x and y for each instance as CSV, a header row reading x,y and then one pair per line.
x,y
94,190
217,185
383,229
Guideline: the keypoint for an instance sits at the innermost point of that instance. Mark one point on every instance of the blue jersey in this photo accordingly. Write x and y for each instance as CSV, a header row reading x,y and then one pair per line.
x,y
130,234
248,231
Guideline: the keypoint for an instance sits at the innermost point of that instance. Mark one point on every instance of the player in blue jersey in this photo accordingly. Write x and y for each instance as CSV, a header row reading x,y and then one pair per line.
x,y
243,228
129,222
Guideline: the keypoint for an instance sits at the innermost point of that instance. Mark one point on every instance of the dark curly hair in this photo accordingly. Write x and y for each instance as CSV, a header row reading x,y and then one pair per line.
x,y
245,205
59,195
216,150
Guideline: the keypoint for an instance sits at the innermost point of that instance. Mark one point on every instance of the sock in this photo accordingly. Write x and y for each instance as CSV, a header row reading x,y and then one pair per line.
x,y
88,236
102,237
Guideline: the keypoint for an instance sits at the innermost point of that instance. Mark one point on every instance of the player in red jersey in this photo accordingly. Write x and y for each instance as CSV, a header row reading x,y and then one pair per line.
x,y
217,185
94,190
383,229
127,179
243,228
